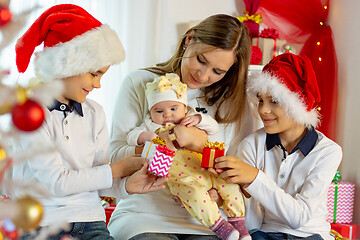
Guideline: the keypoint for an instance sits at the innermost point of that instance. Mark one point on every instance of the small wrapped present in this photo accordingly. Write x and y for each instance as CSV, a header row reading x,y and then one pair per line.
x,y
269,43
349,231
340,201
210,152
160,158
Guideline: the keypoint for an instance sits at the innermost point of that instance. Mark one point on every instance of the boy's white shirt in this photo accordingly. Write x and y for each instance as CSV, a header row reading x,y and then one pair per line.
x,y
289,196
207,124
76,171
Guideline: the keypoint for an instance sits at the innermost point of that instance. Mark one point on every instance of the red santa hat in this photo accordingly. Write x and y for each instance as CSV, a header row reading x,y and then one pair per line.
x,y
74,43
291,81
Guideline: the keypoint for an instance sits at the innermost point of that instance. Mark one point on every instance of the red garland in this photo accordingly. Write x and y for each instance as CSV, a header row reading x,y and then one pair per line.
x,y
269,33
165,150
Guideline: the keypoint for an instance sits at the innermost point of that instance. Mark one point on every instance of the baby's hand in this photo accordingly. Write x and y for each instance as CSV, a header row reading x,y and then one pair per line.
x,y
192,120
146,136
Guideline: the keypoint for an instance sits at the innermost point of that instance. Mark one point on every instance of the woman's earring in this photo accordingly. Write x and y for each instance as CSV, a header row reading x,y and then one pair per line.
x,y
184,47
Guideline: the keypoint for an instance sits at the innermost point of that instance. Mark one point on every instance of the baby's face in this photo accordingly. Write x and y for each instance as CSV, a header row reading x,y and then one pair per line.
x,y
168,112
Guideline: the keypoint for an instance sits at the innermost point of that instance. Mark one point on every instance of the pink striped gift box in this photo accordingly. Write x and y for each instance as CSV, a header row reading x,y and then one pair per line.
x,y
160,164
160,158
340,202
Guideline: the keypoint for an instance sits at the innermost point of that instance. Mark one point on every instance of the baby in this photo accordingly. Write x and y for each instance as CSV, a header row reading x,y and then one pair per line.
x,y
167,101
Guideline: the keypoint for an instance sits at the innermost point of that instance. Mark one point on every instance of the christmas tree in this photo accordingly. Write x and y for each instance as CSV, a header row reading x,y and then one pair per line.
x,y
23,106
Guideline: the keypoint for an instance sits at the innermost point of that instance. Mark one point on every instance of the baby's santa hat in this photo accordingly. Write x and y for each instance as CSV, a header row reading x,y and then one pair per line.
x,y
74,43
166,88
291,81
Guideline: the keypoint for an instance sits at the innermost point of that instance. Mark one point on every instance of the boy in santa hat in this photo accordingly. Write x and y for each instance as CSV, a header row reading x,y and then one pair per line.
x,y
286,166
78,50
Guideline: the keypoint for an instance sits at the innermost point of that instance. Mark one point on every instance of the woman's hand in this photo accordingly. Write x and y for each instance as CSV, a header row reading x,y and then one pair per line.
x,y
190,138
127,166
233,170
143,181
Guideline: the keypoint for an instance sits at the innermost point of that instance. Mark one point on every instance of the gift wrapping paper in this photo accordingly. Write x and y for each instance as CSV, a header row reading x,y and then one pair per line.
x,y
350,230
267,48
159,163
340,202
211,151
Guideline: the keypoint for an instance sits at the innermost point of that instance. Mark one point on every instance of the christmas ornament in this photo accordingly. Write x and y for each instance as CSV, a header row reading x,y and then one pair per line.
x,y
5,16
28,116
30,213
256,55
2,154
9,230
286,48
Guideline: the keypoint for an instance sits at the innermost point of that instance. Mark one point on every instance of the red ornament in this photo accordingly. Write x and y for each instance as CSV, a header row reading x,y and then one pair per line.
x,y
5,16
28,116
256,55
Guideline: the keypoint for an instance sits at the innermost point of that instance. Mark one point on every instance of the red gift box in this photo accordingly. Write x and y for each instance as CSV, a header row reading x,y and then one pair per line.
x,y
210,152
108,211
350,231
340,202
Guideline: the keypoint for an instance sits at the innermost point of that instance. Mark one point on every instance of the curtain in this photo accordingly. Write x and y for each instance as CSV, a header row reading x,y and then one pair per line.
x,y
304,22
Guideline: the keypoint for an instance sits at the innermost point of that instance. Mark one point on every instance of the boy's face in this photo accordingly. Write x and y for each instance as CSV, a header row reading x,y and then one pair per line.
x,y
168,112
77,87
274,115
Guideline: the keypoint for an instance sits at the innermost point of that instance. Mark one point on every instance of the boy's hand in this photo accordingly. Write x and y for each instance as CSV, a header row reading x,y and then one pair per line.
x,y
233,170
143,181
146,136
127,166
192,120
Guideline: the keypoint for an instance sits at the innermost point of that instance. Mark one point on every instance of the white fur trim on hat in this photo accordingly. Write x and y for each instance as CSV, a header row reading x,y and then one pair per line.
x,y
95,49
263,82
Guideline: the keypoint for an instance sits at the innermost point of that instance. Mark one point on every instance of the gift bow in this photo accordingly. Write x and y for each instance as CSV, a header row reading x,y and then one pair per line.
x,y
255,17
167,127
335,180
165,150
269,33
337,177
214,145
159,141
171,81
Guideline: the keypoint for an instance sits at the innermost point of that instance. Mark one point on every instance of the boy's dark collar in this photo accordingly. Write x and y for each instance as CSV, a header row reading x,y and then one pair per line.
x,y
65,108
305,145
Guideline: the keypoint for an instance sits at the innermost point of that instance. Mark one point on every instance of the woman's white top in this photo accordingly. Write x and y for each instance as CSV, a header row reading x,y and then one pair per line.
x,y
157,211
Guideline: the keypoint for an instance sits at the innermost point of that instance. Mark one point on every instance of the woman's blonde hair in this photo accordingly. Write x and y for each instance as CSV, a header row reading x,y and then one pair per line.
x,y
225,32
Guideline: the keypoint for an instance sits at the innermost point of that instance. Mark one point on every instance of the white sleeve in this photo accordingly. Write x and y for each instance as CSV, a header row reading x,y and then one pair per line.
x,y
295,210
129,110
133,135
208,124
50,170
118,189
